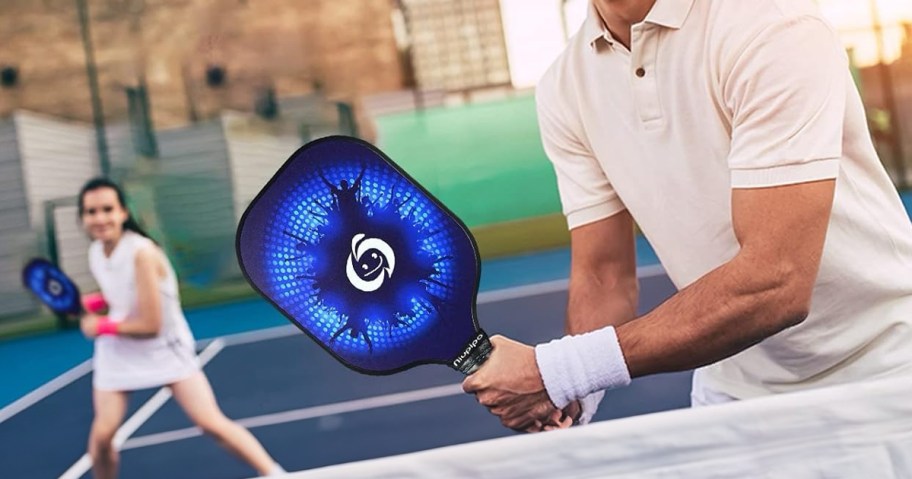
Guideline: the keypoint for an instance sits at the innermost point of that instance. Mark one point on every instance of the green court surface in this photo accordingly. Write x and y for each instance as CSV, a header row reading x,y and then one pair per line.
x,y
483,160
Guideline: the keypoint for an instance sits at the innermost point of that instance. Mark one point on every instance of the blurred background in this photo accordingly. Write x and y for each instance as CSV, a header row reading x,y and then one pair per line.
x,y
193,105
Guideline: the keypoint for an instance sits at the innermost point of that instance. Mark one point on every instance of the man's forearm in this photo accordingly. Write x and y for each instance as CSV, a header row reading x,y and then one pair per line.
x,y
728,310
595,303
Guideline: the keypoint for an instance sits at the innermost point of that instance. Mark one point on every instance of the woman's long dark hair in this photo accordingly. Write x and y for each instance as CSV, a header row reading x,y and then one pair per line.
x,y
97,183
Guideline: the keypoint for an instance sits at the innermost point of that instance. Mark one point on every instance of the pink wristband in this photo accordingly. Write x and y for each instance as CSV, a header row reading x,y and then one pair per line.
x,y
94,302
105,326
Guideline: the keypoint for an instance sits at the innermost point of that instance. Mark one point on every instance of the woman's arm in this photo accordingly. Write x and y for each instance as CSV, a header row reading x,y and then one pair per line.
x,y
149,271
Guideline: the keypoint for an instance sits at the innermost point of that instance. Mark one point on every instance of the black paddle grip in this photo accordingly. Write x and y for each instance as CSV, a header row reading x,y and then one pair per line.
x,y
474,354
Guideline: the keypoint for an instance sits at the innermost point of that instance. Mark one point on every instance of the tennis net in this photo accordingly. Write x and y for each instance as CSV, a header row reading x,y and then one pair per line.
x,y
862,430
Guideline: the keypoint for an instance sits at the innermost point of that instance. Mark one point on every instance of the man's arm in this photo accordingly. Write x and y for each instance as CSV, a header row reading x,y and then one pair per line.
x,y
786,94
603,283
764,289
603,292
604,289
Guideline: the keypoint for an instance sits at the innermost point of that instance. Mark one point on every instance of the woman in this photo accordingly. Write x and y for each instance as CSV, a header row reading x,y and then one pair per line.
x,y
144,341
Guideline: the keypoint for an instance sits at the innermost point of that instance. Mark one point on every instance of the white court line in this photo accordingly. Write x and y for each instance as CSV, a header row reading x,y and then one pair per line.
x,y
45,390
551,287
307,413
278,332
358,404
504,294
486,297
260,335
77,372
140,416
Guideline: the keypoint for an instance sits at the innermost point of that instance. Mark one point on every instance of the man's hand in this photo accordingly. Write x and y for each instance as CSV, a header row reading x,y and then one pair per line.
x,y
572,412
562,419
510,386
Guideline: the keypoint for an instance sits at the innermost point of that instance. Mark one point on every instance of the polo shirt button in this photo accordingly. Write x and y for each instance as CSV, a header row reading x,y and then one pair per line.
x,y
641,72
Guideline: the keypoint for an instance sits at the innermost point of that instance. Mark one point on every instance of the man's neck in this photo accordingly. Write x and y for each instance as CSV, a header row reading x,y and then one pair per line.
x,y
619,15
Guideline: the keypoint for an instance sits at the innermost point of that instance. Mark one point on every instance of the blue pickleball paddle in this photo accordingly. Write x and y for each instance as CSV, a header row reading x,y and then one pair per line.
x,y
364,260
51,286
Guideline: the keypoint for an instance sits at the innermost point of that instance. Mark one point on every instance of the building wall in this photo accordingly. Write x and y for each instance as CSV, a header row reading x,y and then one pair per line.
x,y
902,73
57,158
72,247
873,95
15,235
255,155
345,46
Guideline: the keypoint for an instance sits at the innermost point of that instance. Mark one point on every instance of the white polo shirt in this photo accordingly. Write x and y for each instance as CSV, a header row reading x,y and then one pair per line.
x,y
722,94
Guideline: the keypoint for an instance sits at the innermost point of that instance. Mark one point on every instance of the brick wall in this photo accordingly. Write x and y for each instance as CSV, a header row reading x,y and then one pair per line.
x,y
347,46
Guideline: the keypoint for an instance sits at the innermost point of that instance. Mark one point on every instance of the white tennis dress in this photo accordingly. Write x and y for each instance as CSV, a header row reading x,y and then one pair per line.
x,y
122,363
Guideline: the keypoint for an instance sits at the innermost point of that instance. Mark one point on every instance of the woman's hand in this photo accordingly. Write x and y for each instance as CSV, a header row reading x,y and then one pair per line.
x,y
94,303
89,325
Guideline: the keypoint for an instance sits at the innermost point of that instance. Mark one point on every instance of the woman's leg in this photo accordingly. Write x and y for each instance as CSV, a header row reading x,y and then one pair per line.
x,y
195,396
110,408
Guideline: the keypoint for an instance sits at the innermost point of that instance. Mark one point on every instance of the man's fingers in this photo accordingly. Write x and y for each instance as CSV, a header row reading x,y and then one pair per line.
x,y
518,418
573,410
544,410
520,424
498,340
488,397
537,426
473,383
555,417
560,423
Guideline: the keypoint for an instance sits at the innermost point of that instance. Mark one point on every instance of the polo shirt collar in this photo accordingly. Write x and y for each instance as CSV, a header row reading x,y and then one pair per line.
x,y
594,28
669,13
666,13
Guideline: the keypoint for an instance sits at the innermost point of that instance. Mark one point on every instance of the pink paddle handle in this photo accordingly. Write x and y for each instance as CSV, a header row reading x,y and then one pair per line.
x,y
105,326
94,302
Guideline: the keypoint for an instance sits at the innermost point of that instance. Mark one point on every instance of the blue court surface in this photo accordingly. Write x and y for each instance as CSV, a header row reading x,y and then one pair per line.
x,y
307,409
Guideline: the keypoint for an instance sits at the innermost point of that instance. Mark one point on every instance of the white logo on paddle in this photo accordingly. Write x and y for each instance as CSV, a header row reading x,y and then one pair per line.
x,y
370,263
55,287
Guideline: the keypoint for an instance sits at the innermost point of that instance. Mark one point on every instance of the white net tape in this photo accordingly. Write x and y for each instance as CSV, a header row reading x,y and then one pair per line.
x,y
860,430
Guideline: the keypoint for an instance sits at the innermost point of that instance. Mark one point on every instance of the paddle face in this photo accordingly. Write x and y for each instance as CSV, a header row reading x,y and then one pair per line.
x,y
51,286
362,258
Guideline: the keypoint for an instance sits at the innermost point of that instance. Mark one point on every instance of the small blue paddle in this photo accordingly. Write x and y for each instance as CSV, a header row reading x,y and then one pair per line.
x,y
52,287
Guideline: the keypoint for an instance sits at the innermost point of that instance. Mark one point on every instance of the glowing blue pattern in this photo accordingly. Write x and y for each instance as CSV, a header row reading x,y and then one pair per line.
x,y
289,261
296,240
52,287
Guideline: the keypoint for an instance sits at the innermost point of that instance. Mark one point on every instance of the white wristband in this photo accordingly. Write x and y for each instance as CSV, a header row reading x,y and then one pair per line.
x,y
589,406
575,366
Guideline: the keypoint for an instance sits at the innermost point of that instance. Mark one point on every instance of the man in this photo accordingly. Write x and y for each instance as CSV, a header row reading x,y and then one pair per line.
x,y
730,130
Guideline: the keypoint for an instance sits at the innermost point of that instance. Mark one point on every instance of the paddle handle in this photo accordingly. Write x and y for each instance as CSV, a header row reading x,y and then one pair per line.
x,y
474,354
